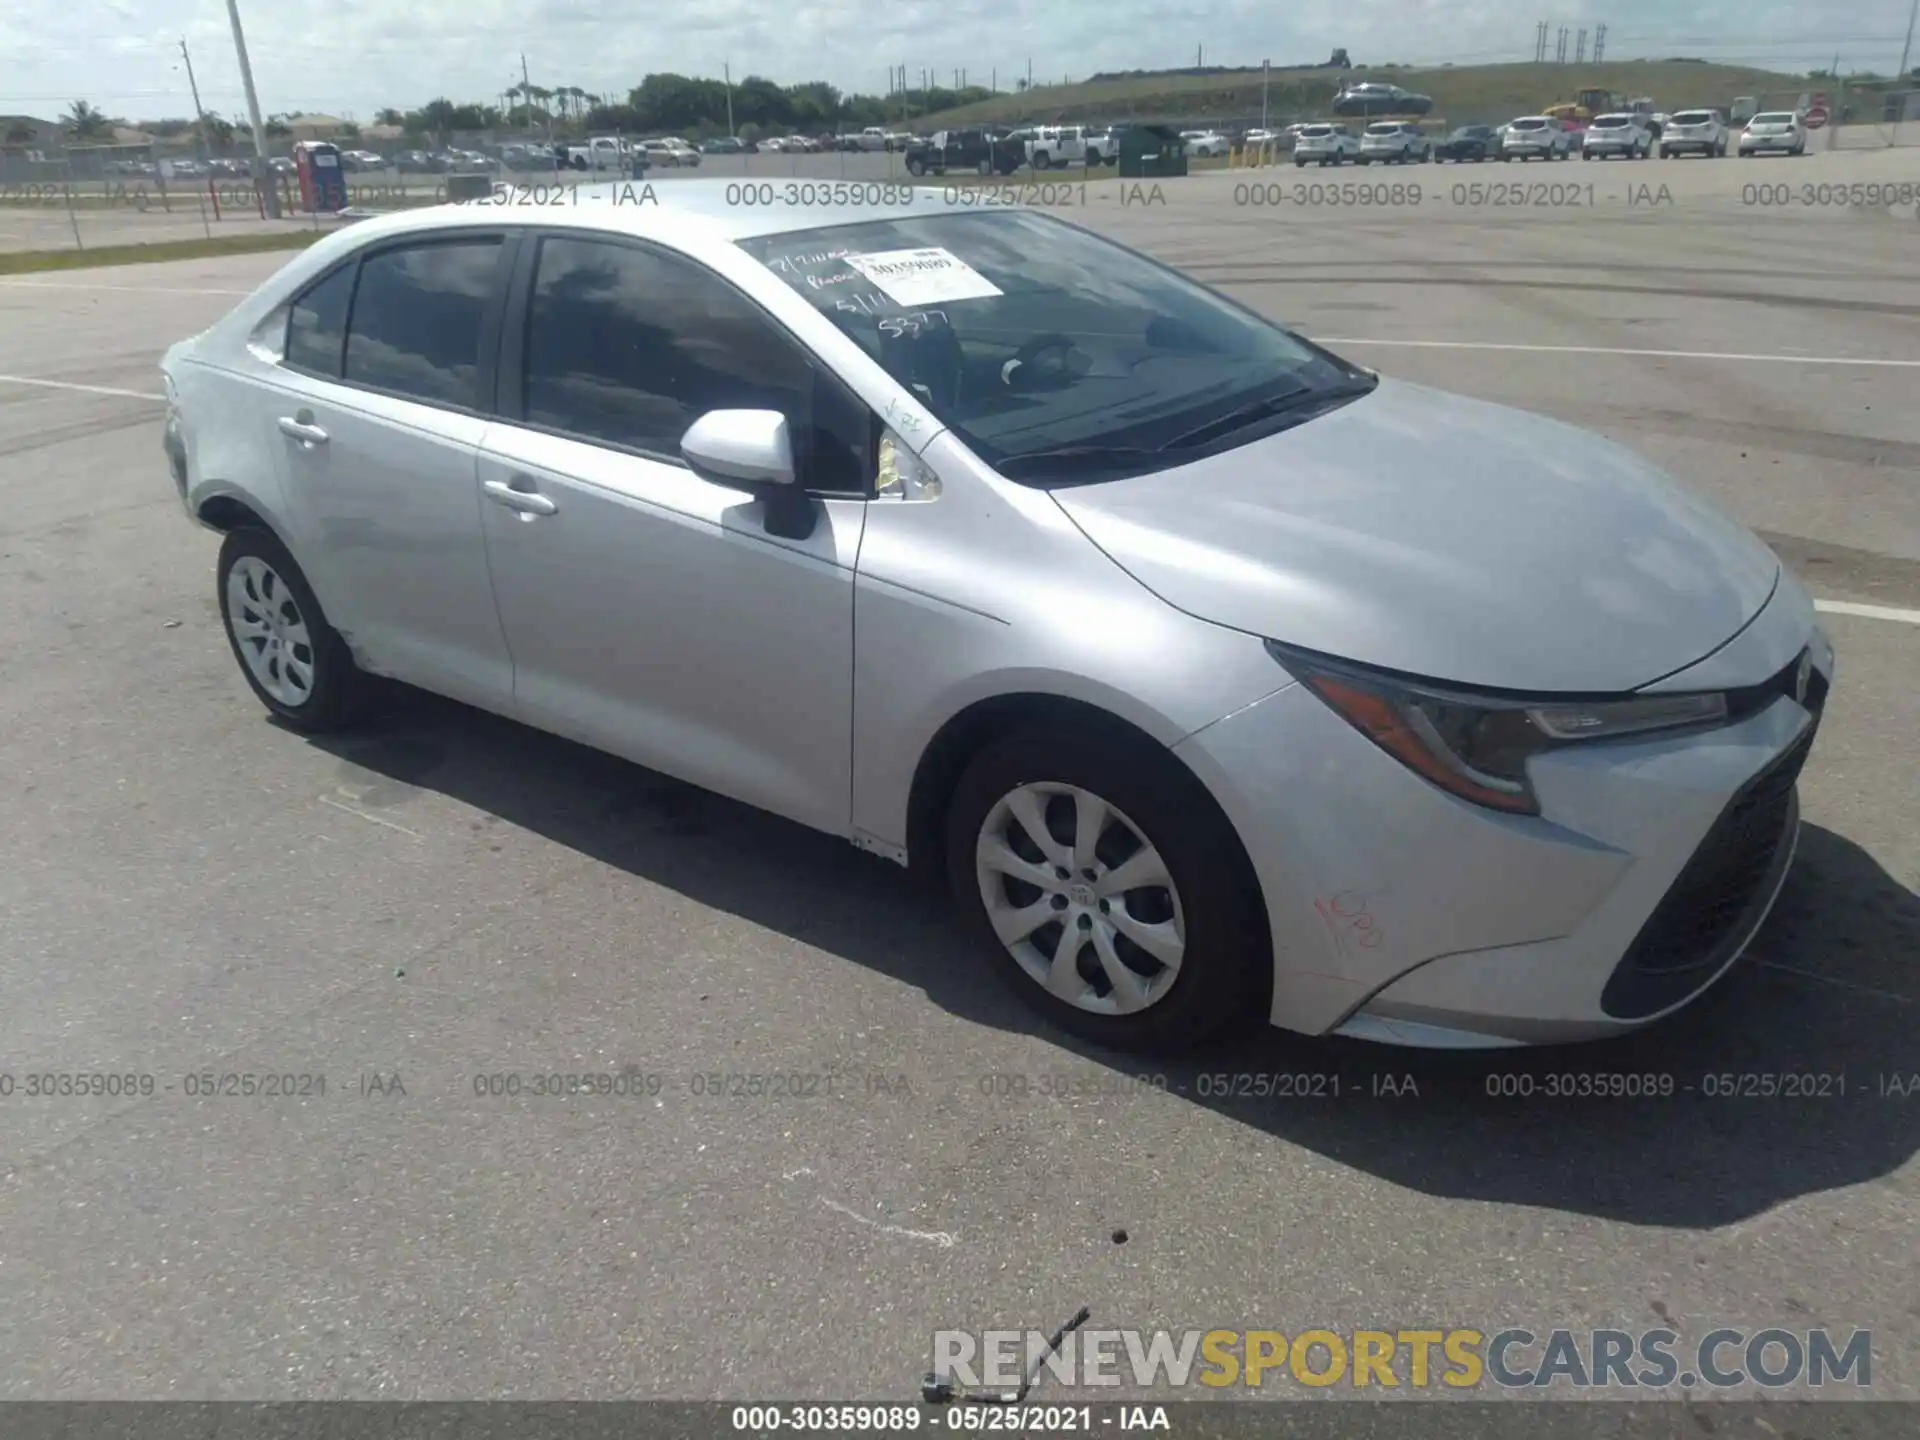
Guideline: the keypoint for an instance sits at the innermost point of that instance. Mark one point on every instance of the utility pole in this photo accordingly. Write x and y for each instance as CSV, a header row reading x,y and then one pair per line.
x,y
1599,42
726,68
261,174
1580,48
1264,77
1906,49
1560,52
1540,43
206,140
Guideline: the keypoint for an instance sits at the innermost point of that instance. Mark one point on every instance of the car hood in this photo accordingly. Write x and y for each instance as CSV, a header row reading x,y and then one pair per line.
x,y
1443,537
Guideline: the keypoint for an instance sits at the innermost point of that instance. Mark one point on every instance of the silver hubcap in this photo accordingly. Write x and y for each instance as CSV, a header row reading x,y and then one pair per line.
x,y
1080,898
270,631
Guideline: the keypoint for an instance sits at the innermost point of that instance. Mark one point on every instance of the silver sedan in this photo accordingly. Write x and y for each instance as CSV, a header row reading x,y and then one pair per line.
x,y
1217,676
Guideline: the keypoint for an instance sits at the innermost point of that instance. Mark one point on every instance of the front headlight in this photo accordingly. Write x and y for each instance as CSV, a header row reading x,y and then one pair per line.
x,y
1478,746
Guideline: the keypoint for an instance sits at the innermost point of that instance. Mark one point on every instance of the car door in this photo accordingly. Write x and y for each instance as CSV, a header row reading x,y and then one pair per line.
x,y
385,378
648,610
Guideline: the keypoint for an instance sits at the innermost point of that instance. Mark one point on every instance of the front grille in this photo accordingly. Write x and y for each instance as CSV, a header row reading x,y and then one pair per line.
x,y
1718,896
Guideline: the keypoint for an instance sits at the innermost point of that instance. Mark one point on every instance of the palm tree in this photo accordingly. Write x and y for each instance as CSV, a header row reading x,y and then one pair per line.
x,y
83,122
219,131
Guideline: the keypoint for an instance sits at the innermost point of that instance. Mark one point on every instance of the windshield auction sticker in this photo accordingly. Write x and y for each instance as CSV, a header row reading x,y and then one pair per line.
x,y
923,277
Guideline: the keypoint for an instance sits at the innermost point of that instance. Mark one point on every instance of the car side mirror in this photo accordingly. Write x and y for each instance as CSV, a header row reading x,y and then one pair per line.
x,y
752,450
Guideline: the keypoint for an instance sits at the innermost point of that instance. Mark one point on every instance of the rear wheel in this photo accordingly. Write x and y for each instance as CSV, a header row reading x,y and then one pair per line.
x,y
295,662
1111,892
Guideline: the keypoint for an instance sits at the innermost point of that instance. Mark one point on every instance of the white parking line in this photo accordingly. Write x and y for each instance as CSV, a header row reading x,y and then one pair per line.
x,y
1611,350
82,389
1868,612
129,289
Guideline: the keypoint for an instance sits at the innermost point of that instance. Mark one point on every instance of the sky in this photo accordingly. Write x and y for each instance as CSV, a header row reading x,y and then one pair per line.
x,y
352,57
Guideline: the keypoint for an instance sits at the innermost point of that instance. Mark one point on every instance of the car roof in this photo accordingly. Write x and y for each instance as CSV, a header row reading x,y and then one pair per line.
x,y
678,211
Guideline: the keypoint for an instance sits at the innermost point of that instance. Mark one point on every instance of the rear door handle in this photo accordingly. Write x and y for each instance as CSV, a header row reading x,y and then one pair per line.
x,y
527,502
302,428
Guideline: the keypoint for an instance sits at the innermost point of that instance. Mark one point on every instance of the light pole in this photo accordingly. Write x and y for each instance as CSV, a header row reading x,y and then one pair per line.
x,y
1906,49
261,174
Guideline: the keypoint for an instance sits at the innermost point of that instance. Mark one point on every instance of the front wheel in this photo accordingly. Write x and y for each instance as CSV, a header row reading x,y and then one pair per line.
x,y
1108,889
295,662
915,168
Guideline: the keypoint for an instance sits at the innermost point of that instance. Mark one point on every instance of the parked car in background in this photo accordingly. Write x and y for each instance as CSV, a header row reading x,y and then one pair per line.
x,y
1325,144
1264,139
981,151
1621,134
1774,132
1694,132
727,145
672,152
413,162
282,165
1205,144
1394,142
1535,137
1374,98
1468,142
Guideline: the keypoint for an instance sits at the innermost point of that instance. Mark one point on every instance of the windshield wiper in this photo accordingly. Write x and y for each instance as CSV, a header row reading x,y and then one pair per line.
x,y
1302,400
1068,458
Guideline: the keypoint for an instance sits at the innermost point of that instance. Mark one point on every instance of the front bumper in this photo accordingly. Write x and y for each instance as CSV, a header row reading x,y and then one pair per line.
x,y
1401,913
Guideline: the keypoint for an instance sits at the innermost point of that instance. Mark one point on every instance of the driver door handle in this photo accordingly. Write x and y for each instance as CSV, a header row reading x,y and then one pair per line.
x,y
527,502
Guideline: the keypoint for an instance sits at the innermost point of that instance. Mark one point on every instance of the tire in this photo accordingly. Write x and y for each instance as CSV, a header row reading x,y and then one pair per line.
x,y
257,577
1212,904
1040,160
986,167
1585,156
1363,160
914,167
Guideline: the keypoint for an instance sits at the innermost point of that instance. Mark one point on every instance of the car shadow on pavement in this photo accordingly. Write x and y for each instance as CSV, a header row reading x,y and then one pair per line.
x,y
1799,1073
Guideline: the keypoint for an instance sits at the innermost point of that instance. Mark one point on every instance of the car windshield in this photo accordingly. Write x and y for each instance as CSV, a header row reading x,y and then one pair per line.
x,y
1529,124
1386,128
1692,117
1314,132
1771,120
1610,122
1055,355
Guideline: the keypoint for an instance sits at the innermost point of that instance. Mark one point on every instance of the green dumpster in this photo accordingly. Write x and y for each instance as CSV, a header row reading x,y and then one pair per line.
x,y
1147,151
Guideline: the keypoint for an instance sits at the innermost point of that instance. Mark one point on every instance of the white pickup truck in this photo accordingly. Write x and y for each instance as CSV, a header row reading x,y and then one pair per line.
x,y
605,152
1051,145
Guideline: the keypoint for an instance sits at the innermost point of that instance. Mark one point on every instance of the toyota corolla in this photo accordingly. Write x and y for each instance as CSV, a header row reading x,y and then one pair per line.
x,y
1216,675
